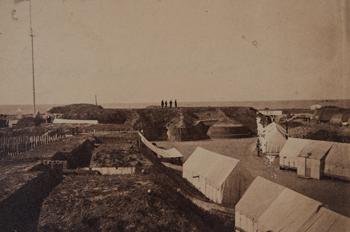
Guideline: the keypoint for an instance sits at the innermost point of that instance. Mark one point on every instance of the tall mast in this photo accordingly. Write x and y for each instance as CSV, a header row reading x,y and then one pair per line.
x,y
32,45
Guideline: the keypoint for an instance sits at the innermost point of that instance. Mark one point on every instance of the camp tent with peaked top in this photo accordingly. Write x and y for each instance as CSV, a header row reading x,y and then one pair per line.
x,y
327,221
337,163
228,128
267,206
272,139
218,177
259,196
290,152
311,160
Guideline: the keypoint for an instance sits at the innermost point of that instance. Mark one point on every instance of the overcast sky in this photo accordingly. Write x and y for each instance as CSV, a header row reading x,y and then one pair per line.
x,y
192,50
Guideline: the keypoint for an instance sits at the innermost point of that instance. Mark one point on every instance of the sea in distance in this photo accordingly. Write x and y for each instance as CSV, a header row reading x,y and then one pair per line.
x,y
285,104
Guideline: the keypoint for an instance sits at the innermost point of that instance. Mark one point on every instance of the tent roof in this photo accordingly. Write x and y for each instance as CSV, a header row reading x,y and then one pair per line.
x,y
171,153
289,212
260,194
212,166
327,221
293,147
274,127
339,155
316,149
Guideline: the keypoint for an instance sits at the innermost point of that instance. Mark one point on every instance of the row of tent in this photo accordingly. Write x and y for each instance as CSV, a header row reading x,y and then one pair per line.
x,y
311,158
267,206
260,205
314,158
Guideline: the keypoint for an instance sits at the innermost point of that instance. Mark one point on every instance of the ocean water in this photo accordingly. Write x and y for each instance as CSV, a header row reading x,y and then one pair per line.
x,y
288,104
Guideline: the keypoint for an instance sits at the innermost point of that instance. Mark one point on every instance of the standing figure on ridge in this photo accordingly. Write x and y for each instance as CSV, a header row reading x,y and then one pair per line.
x,y
170,103
175,103
162,104
166,104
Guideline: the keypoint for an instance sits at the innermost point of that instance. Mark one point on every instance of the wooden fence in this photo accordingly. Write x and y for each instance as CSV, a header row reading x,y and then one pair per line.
x,y
15,145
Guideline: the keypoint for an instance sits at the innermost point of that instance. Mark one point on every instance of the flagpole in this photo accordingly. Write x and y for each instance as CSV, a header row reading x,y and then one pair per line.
x,y
32,45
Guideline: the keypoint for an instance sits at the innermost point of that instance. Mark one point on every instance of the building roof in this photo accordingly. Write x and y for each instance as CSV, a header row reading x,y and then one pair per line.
x,y
293,147
210,165
316,149
259,196
73,121
327,221
271,112
339,155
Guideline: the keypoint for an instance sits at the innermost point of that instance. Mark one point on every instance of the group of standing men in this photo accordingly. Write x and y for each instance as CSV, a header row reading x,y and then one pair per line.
x,y
164,104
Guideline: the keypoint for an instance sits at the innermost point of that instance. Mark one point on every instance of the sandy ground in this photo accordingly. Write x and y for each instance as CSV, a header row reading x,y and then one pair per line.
x,y
333,193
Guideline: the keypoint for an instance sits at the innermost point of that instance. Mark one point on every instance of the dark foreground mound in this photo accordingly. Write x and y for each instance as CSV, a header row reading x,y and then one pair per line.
x,y
115,203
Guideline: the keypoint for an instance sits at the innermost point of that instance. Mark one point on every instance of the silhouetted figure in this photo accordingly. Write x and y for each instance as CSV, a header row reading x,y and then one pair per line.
x,y
166,104
175,103
162,104
170,103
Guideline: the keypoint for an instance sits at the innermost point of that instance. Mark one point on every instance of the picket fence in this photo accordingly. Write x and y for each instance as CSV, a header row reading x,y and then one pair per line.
x,y
16,145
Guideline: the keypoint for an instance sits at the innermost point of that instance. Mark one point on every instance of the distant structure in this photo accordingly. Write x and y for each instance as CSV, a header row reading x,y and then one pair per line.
x,y
228,128
73,121
96,100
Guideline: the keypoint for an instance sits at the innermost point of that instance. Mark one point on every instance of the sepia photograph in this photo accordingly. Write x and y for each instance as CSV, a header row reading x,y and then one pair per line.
x,y
175,115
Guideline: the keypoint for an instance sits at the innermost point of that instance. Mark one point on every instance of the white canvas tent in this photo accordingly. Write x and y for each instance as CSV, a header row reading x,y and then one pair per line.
x,y
267,206
311,160
327,221
337,163
218,177
260,194
272,139
288,212
290,152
